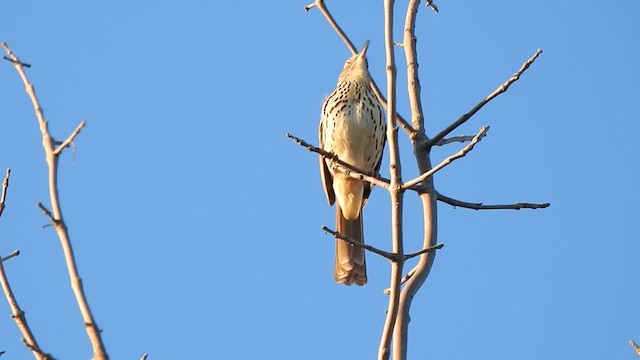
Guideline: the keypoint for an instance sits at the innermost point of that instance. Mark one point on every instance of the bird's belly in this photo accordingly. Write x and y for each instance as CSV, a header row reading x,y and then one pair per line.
x,y
354,137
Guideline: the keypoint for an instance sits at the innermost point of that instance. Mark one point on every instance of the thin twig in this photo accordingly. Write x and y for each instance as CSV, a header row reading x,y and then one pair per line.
x,y
388,255
448,160
16,61
342,165
70,139
5,186
502,88
635,346
455,139
387,291
55,215
481,206
319,4
12,255
424,251
16,313
432,5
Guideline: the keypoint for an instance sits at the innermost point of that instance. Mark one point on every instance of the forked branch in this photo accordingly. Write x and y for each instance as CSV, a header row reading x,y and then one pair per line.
x,y
502,88
55,215
447,161
16,312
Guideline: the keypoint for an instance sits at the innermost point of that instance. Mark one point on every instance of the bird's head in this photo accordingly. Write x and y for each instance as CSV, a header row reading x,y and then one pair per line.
x,y
356,67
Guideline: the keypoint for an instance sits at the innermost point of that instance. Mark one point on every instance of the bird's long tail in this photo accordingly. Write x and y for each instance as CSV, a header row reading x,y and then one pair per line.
x,y
350,265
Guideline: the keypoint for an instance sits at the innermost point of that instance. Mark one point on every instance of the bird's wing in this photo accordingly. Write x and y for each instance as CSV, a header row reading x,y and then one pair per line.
x,y
327,179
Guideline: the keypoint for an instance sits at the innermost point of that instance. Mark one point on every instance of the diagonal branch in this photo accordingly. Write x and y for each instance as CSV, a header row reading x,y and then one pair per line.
x,y
5,186
387,255
432,5
424,251
16,312
481,206
55,215
448,160
635,346
454,139
502,88
70,138
319,4
342,165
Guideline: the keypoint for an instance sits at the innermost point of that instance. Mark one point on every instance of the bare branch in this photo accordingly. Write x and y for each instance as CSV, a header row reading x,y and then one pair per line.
x,y
342,165
395,191
5,186
47,213
426,190
388,255
433,6
481,206
635,346
16,62
16,313
454,139
502,88
319,4
12,255
448,160
55,215
387,291
70,138
424,251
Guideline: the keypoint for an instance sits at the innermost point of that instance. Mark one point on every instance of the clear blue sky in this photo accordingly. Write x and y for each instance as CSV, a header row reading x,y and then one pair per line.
x,y
196,223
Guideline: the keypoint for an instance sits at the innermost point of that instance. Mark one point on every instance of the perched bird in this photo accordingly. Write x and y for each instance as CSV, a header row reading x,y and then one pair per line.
x,y
353,127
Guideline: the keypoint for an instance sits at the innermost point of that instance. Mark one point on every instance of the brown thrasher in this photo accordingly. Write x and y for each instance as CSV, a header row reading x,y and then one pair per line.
x,y
353,127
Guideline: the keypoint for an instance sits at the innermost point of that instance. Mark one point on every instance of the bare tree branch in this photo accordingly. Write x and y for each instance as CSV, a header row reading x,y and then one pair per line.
x,y
5,186
502,88
319,4
342,166
387,291
432,5
447,161
423,251
454,139
387,255
427,192
635,346
51,155
16,313
70,139
10,256
395,191
481,206
16,62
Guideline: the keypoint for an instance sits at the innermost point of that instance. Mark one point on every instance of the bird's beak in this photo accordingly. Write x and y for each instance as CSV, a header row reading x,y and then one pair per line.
x,y
363,52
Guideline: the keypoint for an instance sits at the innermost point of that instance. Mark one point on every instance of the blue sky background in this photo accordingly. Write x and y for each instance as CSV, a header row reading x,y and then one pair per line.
x,y
196,223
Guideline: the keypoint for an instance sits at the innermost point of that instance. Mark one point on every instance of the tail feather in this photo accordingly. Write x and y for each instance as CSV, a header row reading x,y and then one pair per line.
x,y
350,265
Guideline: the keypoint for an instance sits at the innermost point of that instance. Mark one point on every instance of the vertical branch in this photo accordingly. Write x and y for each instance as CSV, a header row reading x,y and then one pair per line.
x,y
16,313
55,215
395,190
428,195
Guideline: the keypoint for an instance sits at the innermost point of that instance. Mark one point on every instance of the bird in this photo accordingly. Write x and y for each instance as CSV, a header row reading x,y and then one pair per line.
x,y
352,127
